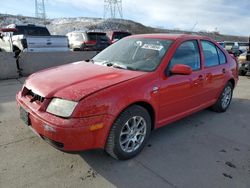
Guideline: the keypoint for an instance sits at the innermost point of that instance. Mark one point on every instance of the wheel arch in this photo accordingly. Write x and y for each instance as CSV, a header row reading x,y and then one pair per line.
x,y
15,48
232,81
146,105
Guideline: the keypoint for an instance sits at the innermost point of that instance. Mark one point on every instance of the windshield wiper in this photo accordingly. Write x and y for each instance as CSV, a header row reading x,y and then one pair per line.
x,y
111,64
120,66
90,60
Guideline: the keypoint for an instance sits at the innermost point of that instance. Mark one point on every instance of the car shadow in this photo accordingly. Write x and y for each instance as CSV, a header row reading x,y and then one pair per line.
x,y
167,147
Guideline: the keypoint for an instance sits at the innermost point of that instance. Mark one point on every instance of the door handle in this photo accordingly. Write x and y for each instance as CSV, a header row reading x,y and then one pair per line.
x,y
199,80
223,70
209,76
201,77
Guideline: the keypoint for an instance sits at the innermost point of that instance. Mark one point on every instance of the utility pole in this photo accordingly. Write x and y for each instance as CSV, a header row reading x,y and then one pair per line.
x,y
112,9
40,9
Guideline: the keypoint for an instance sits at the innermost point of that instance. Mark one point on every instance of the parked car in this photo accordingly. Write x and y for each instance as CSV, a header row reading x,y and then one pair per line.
x,y
88,40
114,36
6,47
235,48
32,38
244,65
138,84
243,47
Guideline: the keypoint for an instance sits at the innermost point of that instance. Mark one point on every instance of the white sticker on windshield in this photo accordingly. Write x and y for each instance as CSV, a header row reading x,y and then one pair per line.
x,y
152,47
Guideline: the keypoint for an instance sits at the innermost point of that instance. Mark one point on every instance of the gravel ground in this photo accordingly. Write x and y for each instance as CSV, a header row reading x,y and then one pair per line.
x,y
206,149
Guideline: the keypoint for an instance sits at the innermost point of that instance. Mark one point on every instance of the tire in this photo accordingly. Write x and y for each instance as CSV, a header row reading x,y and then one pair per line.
x,y
77,49
124,141
242,72
17,51
225,99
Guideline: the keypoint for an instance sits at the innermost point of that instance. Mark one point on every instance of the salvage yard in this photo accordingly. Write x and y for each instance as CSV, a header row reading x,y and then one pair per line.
x,y
207,149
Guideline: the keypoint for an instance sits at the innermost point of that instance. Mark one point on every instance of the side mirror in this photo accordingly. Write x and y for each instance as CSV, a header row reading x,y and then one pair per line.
x,y
181,69
1,36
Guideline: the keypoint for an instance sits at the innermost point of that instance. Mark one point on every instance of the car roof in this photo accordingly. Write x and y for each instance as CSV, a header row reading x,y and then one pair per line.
x,y
96,32
8,30
118,31
171,36
83,32
25,25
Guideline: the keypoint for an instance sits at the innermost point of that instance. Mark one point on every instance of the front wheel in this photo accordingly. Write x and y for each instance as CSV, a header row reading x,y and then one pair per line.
x,y
129,133
225,99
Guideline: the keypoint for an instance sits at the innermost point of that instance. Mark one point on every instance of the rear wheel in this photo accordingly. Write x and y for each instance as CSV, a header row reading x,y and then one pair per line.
x,y
225,99
129,133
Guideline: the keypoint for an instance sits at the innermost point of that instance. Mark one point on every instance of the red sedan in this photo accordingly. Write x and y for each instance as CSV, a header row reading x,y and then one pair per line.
x,y
116,99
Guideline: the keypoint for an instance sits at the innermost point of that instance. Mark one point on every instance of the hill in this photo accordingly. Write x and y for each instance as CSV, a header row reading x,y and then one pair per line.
x,y
61,26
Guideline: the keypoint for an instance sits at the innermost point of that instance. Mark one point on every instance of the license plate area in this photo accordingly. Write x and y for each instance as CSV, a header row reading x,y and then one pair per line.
x,y
24,115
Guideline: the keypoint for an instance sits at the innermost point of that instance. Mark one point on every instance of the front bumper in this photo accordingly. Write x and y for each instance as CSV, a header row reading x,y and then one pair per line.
x,y
74,134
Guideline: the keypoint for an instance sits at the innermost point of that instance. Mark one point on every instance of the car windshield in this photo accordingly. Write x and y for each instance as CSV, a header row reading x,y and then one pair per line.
x,y
142,54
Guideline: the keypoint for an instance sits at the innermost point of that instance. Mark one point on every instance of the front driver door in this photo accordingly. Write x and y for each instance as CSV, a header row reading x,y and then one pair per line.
x,y
181,94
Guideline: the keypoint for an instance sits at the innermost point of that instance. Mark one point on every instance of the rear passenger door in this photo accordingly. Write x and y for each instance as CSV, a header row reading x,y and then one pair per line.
x,y
214,69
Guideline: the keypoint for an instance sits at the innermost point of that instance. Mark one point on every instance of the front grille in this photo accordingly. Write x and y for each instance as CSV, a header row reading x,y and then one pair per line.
x,y
34,97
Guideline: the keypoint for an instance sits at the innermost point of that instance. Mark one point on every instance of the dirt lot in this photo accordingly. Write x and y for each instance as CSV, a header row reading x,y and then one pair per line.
x,y
206,149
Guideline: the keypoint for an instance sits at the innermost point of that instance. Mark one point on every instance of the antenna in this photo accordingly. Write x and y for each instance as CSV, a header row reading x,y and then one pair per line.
x,y
112,8
40,9
192,29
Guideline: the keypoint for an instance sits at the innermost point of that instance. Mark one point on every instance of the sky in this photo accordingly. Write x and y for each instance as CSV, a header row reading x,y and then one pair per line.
x,y
226,16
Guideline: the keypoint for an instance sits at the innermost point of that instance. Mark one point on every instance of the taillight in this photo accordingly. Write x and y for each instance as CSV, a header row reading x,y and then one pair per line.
x,y
90,42
24,43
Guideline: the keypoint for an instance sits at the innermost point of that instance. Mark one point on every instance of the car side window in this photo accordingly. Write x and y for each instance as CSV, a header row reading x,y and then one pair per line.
x,y
210,54
188,54
222,56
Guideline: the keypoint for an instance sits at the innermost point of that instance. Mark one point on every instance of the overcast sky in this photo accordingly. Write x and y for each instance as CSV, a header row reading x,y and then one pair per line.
x,y
225,16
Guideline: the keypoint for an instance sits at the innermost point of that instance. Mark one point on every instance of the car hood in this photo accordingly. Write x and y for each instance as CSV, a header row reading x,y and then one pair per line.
x,y
77,80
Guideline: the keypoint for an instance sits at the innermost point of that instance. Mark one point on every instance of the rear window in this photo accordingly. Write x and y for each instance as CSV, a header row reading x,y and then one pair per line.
x,y
32,31
97,36
120,35
210,54
222,56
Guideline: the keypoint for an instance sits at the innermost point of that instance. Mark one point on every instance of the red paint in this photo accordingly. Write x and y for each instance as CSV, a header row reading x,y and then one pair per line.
x,y
181,69
104,92
8,29
90,42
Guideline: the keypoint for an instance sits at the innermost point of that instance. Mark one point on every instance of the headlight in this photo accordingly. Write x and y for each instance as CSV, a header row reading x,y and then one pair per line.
x,y
61,107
